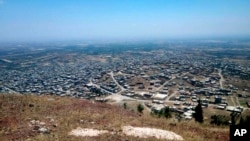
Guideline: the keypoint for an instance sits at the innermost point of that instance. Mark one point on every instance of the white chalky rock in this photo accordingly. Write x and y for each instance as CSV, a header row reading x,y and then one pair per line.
x,y
144,132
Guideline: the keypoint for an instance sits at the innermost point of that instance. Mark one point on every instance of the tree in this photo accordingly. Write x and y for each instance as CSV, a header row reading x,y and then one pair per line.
x,y
233,115
125,105
140,108
198,115
167,112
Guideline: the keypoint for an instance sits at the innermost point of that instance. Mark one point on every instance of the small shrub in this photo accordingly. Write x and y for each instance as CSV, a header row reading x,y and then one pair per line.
x,y
125,105
219,120
140,108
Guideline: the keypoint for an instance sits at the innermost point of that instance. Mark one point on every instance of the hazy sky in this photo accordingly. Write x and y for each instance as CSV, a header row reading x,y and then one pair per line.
x,y
29,20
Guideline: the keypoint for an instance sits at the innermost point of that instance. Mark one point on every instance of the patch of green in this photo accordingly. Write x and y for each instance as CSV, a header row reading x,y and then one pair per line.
x,y
165,112
220,120
243,104
140,108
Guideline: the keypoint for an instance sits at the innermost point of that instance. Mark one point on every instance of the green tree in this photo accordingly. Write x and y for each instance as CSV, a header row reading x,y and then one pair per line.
x,y
233,120
140,108
167,112
125,105
198,115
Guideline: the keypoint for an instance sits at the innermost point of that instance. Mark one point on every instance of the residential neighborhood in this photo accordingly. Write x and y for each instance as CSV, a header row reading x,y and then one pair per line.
x,y
161,77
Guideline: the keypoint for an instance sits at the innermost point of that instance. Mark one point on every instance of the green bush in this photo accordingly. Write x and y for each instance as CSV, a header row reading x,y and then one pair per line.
x,y
165,112
125,105
220,120
140,108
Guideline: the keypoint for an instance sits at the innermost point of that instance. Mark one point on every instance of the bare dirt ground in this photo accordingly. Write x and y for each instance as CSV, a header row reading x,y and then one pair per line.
x,y
117,99
60,116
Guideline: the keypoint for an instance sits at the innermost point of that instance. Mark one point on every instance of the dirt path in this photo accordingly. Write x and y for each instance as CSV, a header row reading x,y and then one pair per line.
x,y
99,87
232,101
118,99
164,84
173,94
11,90
237,101
221,79
168,82
112,76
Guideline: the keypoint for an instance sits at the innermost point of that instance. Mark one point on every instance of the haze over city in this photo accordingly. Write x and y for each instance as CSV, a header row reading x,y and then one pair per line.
x,y
47,20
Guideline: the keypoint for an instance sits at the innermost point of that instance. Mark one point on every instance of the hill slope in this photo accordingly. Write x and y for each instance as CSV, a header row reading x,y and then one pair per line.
x,y
30,117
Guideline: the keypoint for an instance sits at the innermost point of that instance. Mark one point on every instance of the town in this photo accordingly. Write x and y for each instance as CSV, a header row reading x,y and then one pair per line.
x,y
172,74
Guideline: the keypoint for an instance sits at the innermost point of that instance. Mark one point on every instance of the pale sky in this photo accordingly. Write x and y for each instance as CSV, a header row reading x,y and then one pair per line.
x,y
35,20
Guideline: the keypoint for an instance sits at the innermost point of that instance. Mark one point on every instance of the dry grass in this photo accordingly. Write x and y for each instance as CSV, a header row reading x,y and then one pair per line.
x,y
16,112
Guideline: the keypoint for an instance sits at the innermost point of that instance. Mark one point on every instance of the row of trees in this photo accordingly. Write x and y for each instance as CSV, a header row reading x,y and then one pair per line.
x,y
165,112
198,116
235,120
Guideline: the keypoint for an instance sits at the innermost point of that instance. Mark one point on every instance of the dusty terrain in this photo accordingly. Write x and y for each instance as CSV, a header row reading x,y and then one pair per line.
x,y
42,118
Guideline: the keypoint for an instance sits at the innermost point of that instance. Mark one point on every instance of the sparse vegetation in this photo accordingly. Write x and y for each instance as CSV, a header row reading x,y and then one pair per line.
x,y
220,120
165,112
125,105
60,115
140,108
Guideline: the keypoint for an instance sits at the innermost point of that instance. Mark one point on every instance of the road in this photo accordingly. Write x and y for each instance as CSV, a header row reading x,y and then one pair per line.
x,y
133,99
168,82
97,86
232,101
10,90
221,79
173,94
112,76
164,84
236,101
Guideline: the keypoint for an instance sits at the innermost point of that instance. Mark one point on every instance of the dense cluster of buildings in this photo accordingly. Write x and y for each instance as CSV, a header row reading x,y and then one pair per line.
x,y
160,76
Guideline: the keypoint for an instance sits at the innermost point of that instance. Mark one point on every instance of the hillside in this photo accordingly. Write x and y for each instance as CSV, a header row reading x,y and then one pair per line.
x,y
44,118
